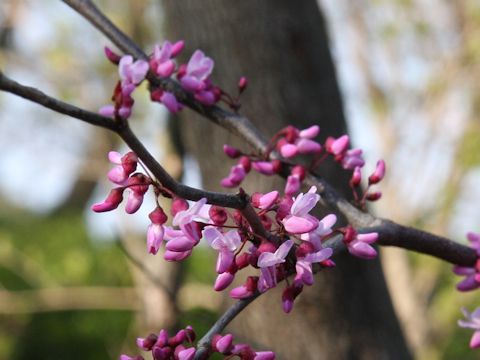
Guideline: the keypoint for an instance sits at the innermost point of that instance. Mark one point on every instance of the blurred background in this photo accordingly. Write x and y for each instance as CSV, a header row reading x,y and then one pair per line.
x,y
79,285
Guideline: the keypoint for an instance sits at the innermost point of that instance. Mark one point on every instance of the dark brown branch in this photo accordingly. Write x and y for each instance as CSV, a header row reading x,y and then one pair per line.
x,y
40,98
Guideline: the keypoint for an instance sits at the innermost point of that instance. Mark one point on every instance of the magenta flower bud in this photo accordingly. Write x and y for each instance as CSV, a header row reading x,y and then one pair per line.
x,y
291,133
224,344
187,354
206,97
112,201
177,47
242,261
235,177
374,196
158,216
113,57
179,338
231,152
223,281
147,343
266,222
170,102
311,132
162,338
378,174
266,201
298,171
178,204
263,167
300,224
307,146
246,163
284,208
180,244
242,84
289,150
352,159
356,177
338,146
162,353
191,335
218,215
292,186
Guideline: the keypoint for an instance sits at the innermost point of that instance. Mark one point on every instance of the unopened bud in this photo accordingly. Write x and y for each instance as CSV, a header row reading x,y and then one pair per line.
x,y
374,196
231,152
242,84
113,57
378,174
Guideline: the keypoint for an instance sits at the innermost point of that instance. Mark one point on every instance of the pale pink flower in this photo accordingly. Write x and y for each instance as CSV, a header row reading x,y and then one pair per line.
x,y
472,321
198,69
352,159
127,164
267,262
324,229
161,60
303,266
360,245
299,221
225,244
132,72
236,176
302,143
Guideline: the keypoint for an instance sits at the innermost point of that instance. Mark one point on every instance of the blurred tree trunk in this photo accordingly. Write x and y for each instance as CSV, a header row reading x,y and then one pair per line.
x,y
282,47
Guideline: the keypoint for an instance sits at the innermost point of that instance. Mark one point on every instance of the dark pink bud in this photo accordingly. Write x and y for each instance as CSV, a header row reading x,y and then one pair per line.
x,y
113,57
349,233
266,246
264,167
284,208
356,177
158,216
191,335
162,338
156,95
291,133
328,263
187,354
374,196
182,70
177,48
242,261
147,343
162,353
378,174
112,201
276,166
246,163
178,204
338,146
293,185
218,215
251,283
179,338
224,344
298,171
231,152
223,281
242,84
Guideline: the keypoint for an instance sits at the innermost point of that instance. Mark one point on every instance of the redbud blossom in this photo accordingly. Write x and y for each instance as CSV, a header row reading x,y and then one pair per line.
x,y
356,177
225,244
242,84
299,221
114,198
337,146
231,152
374,196
472,321
198,69
264,167
132,72
352,159
378,174
112,56
359,244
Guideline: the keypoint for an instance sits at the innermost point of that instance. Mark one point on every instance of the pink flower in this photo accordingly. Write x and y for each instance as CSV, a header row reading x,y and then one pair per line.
x,y
127,164
378,174
472,321
267,262
156,230
337,146
324,229
359,244
225,244
246,290
114,198
470,282
132,73
303,266
198,69
236,176
166,98
352,159
299,221
264,201
264,167
187,354
302,143
161,62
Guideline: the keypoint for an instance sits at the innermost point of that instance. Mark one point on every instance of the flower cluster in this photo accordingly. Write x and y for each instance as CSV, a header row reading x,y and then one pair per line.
x,y
181,347
194,77
291,142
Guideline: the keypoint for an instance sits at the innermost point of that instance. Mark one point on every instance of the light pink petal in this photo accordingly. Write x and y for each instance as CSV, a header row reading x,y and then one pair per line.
x,y
107,110
319,256
224,260
307,146
165,69
223,281
117,175
170,101
155,234
368,238
292,186
310,133
134,202
362,250
284,249
138,71
176,256
328,221
299,225
240,292
191,83
475,340
289,150
232,240
187,354
115,157
263,167
124,67
177,48
267,200
180,244
340,144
